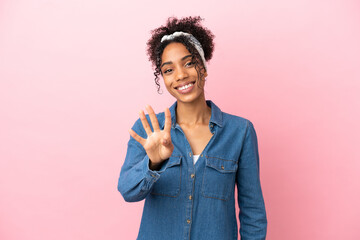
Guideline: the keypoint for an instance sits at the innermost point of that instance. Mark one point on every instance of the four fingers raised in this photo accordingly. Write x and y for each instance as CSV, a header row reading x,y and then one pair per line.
x,y
154,123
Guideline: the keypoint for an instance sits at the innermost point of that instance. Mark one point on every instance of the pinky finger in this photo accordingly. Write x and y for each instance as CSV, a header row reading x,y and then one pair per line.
x,y
137,137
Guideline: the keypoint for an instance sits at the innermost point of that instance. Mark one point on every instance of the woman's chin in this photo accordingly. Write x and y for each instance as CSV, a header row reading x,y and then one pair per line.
x,y
191,98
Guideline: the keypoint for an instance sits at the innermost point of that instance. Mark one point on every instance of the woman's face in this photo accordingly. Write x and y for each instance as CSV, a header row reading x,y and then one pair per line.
x,y
179,73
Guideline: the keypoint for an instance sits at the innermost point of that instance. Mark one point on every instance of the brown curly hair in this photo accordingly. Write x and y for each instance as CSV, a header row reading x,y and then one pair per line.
x,y
190,25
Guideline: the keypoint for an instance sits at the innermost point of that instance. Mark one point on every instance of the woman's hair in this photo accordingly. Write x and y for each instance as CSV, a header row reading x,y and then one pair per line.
x,y
190,25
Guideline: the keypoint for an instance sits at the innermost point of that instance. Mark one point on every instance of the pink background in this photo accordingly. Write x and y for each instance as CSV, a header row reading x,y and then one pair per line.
x,y
74,74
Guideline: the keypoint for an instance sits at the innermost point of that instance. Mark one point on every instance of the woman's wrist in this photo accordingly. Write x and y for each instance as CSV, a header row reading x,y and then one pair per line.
x,y
154,166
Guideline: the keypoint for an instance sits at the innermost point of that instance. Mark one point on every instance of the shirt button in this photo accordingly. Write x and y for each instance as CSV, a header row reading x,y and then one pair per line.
x,y
222,167
190,197
188,221
192,175
202,155
211,125
190,154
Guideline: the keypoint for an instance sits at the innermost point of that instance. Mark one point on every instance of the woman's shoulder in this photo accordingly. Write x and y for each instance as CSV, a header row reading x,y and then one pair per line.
x,y
227,119
235,120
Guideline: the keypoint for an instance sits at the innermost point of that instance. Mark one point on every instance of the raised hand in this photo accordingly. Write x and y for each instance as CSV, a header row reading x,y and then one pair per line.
x,y
157,145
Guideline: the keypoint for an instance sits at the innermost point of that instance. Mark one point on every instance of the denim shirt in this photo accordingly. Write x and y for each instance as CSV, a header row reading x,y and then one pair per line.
x,y
187,201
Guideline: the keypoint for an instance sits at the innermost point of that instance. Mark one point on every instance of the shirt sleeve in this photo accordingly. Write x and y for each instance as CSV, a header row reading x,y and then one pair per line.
x,y
252,216
136,178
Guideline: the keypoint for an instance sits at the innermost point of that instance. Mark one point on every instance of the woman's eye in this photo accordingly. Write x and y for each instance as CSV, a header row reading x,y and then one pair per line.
x,y
190,63
168,70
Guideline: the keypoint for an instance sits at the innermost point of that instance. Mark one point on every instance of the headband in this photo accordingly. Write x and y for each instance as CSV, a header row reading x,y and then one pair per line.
x,y
192,40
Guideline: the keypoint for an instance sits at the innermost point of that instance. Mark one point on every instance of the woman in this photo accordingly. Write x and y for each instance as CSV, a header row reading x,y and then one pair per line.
x,y
186,161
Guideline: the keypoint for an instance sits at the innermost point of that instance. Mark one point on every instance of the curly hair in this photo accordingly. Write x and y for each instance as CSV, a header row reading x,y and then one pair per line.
x,y
190,25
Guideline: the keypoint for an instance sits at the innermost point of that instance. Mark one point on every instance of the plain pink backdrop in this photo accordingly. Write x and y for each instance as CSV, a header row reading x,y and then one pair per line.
x,y
74,74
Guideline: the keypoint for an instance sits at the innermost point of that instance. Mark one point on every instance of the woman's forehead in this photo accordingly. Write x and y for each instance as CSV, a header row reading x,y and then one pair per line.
x,y
174,52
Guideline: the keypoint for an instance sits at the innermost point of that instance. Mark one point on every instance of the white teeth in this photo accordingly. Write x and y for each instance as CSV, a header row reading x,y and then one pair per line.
x,y
186,86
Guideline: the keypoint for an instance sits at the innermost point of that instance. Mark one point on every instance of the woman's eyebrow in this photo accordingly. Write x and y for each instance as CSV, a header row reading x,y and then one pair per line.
x,y
182,59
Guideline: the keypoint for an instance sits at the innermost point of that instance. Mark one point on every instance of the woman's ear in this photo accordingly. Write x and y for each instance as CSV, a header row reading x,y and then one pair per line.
x,y
205,74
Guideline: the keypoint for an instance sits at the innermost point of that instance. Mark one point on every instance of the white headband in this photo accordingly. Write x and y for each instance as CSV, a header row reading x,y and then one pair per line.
x,y
192,40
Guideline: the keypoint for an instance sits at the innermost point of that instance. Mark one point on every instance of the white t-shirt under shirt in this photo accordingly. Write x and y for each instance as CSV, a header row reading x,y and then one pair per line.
x,y
195,158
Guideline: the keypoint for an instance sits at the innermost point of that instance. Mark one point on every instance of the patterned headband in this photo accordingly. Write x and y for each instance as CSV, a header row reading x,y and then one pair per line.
x,y
192,40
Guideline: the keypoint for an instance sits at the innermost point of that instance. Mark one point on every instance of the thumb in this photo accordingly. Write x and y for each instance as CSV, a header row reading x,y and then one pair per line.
x,y
166,140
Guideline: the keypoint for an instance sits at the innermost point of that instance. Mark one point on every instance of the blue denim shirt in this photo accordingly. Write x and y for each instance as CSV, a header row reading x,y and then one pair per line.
x,y
186,201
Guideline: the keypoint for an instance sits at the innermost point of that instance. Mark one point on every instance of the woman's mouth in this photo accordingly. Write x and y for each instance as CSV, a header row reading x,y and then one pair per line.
x,y
186,88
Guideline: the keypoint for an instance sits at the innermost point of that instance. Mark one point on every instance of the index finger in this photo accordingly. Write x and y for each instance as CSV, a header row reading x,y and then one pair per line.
x,y
167,120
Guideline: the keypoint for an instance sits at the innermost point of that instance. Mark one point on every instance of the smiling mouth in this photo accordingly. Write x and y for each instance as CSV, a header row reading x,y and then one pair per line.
x,y
185,86
185,89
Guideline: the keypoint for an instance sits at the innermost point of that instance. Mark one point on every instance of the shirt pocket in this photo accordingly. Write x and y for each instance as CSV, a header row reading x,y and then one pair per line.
x,y
170,180
219,177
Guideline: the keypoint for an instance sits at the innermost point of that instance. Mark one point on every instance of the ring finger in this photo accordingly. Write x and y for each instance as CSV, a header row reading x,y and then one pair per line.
x,y
145,123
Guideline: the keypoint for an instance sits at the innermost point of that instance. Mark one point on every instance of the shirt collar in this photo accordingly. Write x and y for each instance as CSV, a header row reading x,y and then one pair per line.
x,y
216,114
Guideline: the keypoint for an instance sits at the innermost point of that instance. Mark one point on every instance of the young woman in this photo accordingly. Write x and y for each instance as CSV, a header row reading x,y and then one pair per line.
x,y
186,161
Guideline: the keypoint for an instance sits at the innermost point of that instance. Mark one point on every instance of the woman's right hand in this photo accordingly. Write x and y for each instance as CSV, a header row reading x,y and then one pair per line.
x,y
157,145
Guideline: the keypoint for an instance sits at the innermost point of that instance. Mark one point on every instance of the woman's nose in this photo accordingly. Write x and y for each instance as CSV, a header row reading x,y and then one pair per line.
x,y
181,74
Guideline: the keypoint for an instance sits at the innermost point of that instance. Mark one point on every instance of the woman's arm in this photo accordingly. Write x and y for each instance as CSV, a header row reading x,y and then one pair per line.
x,y
139,173
253,221
136,178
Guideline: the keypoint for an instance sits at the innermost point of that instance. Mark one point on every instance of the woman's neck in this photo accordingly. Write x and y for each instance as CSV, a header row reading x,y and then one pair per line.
x,y
194,113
